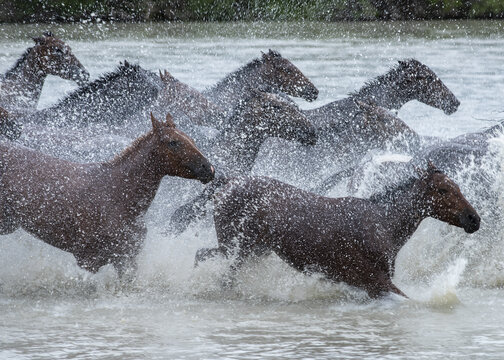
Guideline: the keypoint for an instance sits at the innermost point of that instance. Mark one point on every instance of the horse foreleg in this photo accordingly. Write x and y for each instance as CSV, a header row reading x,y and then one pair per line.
x,y
204,254
193,210
394,289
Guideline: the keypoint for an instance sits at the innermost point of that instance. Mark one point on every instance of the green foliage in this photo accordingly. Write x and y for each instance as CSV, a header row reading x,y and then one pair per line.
x,y
230,10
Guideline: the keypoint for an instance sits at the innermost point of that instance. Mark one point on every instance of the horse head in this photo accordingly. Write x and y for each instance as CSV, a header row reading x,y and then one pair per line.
x,y
280,73
383,126
425,86
187,99
56,58
443,200
178,155
270,115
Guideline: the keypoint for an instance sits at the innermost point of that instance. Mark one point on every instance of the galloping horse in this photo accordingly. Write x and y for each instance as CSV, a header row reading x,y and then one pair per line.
x,y
272,73
235,149
20,87
410,80
94,210
121,95
346,239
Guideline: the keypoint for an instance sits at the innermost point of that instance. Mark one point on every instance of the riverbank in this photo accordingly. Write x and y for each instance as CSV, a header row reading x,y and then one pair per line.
x,y
47,11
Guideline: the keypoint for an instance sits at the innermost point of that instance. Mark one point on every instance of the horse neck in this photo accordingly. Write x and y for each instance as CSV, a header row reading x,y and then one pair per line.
x,y
403,214
237,84
136,174
385,91
27,77
241,152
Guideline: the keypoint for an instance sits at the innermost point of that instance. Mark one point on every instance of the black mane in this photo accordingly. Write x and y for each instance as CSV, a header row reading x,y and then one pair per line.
x,y
18,62
238,74
384,78
113,98
123,70
391,191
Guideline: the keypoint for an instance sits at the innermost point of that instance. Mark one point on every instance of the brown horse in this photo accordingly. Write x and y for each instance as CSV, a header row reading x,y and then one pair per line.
x,y
259,116
20,87
183,100
94,210
346,239
271,73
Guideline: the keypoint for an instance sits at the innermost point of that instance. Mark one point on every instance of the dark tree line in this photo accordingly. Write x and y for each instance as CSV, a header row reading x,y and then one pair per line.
x,y
230,10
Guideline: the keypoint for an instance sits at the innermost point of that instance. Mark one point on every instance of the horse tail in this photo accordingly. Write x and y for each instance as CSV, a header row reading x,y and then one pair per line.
x,y
196,208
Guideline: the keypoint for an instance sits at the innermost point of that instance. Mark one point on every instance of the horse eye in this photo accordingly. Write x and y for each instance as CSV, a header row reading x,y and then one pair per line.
x,y
173,143
58,51
442,191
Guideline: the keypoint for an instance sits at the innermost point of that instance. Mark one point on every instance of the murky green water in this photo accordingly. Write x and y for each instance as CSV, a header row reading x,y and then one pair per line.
x,y
51,309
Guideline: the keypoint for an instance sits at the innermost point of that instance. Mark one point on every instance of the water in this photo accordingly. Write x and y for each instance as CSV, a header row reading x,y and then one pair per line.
x,y
52,309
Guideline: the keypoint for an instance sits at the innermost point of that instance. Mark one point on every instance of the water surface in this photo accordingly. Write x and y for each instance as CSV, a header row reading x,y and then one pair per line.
x,y
52,309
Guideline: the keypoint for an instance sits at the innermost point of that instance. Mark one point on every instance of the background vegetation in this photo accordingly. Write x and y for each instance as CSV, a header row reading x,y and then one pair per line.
x,y
229,10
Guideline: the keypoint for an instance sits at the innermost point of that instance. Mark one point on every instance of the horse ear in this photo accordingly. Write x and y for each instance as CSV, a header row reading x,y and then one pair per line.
x,y
156,124
169,121
274,53
39,40
431,168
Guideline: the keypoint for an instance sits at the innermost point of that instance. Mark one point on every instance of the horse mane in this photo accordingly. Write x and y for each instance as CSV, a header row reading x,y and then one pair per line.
x,y
129,150
392,191
238,74
124,69
18,62
384,78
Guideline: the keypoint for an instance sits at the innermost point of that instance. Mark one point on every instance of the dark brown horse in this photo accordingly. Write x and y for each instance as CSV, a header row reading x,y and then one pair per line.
x,y
272,73
346,239
183,100
410,80
95,210
259,116
20,87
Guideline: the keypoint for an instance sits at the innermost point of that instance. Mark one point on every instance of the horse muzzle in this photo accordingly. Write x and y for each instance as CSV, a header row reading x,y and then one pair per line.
x,y
451,107
470,220
310,93
205,173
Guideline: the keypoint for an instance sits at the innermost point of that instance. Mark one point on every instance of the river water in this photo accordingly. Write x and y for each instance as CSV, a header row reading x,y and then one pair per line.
x,y
51,309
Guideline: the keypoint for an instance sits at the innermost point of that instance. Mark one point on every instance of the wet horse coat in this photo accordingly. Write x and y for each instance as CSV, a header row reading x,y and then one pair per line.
x,y
410,80
94,210
346,239
234,151
21,86
271,73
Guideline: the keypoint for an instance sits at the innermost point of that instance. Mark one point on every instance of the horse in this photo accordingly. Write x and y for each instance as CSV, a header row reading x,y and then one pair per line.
x,y
20,87
371,127
122,94
451,156
95,210
187,103
346,239
410,80
272,73
234,151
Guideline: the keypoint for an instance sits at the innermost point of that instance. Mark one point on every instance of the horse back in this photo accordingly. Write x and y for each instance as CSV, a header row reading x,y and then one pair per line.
x,y
284,215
